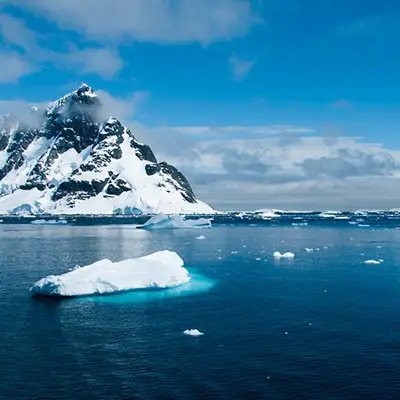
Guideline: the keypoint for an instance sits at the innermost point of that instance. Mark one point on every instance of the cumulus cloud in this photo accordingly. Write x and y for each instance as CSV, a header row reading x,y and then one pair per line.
x,y
261,171
349,162
162,21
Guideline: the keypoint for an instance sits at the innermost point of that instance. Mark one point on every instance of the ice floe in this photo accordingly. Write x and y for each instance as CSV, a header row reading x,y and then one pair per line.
x,y
160,270
373,262
193,332
277,255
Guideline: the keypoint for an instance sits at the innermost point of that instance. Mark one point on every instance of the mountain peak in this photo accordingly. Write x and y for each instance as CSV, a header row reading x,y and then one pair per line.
x,y
75,161
85,90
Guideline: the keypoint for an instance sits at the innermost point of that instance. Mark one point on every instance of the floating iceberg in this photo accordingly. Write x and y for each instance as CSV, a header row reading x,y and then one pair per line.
x,y
278,255
162,221
374,262
163,269
193,332
201,237
49,222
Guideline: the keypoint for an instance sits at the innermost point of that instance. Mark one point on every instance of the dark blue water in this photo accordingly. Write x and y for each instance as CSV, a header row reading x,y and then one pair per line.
x,y
324,326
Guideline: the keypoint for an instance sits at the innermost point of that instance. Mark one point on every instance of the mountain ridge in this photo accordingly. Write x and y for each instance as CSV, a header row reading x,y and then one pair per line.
x,y
69,159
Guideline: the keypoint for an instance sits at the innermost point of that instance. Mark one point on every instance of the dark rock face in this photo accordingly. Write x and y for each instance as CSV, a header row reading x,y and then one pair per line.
x,y
73,124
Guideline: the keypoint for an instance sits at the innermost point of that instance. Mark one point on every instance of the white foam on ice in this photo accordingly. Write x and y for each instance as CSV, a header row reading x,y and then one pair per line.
x,y
163,269
162,221
193,332
277,255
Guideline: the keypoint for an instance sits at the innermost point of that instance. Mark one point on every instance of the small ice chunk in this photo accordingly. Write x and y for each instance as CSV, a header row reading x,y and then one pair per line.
x,y
193,332
277,255
308,250
373,262
258,259
201,237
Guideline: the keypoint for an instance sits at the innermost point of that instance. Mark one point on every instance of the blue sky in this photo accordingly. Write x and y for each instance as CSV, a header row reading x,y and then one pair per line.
x,y
326,68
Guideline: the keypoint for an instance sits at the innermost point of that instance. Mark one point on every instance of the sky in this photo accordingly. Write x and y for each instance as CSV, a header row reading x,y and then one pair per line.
x,y
288,104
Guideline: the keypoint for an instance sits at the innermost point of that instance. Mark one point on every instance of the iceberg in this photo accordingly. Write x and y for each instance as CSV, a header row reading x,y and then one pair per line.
x,y
160,270
373,262
278,255
49,222
193,332
162,221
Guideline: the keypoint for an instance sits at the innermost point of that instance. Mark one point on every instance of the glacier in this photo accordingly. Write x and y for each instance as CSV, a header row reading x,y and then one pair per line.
x,y
160,270
75,161
162,221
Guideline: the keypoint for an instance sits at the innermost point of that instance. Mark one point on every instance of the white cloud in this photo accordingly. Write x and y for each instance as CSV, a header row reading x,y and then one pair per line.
x,y
15,32
162,21
98,61
91,60
240,67
260,172
13,67
219,132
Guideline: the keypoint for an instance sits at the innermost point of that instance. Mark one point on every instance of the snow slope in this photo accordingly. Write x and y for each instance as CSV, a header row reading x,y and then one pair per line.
x,y
72,162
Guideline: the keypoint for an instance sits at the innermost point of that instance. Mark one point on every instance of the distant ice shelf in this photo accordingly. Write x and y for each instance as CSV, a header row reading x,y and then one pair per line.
x,y
162,221
160,270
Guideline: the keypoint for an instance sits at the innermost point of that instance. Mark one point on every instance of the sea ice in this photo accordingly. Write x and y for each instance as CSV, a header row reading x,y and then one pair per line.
x,y
49,222
374,262
278,255
193,332
308,250
201,237
163,269
162,221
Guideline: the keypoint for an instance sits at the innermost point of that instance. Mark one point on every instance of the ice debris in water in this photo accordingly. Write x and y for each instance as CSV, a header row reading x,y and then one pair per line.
x,y
308,250
162,221
288,255
193,332
373,262
201,237
160,270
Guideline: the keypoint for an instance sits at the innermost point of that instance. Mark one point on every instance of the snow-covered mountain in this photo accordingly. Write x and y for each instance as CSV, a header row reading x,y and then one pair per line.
x,y
66,160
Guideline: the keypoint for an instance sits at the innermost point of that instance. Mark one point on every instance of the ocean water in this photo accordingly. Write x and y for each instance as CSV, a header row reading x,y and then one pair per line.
x,y
323,326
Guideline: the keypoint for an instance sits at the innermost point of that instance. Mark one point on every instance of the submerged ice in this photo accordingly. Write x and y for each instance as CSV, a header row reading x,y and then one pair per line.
x,y
163,269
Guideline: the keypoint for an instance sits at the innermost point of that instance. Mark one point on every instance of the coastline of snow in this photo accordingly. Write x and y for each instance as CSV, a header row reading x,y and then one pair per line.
x,y
160,270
